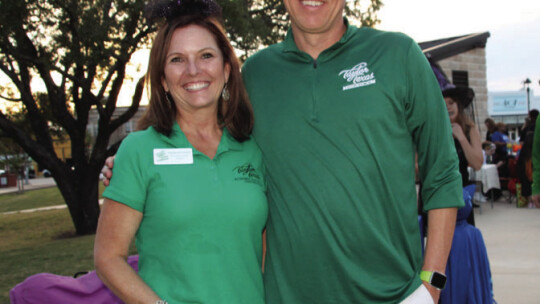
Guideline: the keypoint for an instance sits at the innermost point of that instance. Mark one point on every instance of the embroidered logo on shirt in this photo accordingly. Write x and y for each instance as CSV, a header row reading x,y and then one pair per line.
x,y
247,173
358,76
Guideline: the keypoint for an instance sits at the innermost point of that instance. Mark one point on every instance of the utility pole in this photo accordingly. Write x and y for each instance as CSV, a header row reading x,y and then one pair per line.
x,y
527,82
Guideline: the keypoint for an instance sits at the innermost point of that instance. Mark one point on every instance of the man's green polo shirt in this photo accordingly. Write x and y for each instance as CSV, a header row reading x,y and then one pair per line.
x,y
200,237
339,136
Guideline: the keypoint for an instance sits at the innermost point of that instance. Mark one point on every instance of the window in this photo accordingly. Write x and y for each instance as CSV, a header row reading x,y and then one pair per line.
x,y
128,127
460,78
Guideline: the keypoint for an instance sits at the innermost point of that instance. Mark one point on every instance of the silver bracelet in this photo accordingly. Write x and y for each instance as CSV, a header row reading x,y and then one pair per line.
x,y
161,302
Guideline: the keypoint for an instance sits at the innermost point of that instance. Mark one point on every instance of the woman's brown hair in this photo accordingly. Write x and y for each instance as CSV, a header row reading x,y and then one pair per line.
x,y
234,114
463,120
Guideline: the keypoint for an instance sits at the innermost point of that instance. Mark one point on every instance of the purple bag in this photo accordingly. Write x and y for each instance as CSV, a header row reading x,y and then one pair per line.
x,y
43,288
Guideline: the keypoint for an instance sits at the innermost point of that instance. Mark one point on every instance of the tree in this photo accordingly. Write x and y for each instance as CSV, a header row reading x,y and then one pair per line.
x,y
79,50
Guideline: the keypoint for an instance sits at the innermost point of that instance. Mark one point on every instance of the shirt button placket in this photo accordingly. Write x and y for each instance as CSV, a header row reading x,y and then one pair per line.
x,y
214,170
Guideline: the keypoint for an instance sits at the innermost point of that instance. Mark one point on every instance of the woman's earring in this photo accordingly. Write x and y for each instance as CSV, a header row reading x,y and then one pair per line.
x,y
225,93
169,99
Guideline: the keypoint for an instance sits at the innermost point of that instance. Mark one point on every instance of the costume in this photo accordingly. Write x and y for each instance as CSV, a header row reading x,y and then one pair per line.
x,y
200,239
338,137
468,270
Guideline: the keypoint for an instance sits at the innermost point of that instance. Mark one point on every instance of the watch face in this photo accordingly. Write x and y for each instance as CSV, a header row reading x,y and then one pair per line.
x,y
438,280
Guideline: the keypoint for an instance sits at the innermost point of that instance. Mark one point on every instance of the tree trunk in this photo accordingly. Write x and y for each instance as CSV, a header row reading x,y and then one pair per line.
x,y
81,196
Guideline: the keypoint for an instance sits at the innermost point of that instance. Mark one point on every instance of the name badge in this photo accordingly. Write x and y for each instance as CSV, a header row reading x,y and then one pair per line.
x,y
181,156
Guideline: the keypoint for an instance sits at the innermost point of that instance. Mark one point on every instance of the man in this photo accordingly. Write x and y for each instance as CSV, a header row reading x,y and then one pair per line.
x,y
340,113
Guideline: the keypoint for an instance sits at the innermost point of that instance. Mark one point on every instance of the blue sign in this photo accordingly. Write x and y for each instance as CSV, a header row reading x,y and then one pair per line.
x,y
507,103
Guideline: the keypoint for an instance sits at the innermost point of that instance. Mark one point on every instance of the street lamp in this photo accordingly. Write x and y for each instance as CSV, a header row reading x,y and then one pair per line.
x,y
527,82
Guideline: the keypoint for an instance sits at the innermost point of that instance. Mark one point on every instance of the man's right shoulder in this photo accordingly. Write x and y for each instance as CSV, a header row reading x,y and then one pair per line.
x,y
262,56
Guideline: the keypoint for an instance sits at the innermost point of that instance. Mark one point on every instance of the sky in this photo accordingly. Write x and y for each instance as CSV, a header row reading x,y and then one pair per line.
x,y
512,50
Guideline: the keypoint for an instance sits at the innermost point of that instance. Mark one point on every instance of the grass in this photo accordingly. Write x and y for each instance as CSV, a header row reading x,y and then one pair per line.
x,y
34,199
41,241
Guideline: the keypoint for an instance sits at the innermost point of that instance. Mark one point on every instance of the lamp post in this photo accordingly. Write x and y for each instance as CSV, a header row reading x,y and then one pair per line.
x,y
527,82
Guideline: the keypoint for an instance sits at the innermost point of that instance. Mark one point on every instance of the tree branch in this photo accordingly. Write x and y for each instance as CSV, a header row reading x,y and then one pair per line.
x,y
10,99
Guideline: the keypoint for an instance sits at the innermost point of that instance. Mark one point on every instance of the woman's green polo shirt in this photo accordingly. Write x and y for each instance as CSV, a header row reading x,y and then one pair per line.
x,y
200,237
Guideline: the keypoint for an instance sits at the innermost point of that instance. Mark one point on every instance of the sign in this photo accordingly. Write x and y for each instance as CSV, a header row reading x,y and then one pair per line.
x,y
507,103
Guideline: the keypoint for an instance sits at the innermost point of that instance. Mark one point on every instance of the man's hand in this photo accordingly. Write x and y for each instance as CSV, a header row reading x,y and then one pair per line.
x,y
107,170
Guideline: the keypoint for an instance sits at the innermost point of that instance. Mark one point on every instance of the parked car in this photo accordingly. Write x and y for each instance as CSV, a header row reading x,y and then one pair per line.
x,y
46,173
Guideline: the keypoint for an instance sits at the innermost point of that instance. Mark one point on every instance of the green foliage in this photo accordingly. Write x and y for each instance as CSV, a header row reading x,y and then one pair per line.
x,y
364,11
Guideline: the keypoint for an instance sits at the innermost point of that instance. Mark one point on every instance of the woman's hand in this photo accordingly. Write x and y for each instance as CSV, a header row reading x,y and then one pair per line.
x,y
457,132
106,171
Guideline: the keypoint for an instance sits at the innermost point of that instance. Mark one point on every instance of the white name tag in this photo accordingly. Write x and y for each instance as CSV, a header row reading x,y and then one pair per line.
x,y
181,156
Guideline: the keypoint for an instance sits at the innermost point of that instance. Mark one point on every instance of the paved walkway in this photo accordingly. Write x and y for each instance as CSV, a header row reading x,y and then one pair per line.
x,y
512,238
34,183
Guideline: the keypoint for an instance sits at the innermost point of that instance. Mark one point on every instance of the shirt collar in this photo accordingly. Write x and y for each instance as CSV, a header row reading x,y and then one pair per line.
x,y
290,46
179,140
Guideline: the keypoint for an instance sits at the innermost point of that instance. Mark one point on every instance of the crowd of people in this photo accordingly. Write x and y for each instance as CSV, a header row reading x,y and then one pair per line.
x,y
512,158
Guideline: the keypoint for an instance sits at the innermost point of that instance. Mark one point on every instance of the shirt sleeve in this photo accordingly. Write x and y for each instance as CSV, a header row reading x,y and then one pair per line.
x,y
128,184
496,137
536,159
429,124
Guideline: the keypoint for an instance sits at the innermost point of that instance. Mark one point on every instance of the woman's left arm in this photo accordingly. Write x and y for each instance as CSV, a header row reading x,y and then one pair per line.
x,y
472,149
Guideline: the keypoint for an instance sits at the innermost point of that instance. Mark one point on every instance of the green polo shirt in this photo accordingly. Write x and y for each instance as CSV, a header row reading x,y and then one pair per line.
x,y
200,237
339,137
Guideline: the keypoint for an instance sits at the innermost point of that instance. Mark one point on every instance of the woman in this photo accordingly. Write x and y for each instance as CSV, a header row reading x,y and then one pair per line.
x,y
190,187
467,138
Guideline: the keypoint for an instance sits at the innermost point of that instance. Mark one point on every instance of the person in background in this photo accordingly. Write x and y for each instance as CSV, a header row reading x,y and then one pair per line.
x,y
524,168
500,158
340,112
535,188
491,127
467,139
529,125
190,187
488,149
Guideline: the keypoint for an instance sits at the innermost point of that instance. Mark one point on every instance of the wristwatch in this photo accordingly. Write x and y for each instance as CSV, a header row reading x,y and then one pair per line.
x,y
161,302
435,279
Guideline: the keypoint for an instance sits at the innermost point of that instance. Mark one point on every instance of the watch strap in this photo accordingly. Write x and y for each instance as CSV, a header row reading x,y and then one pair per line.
x,y
435,279
426,276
